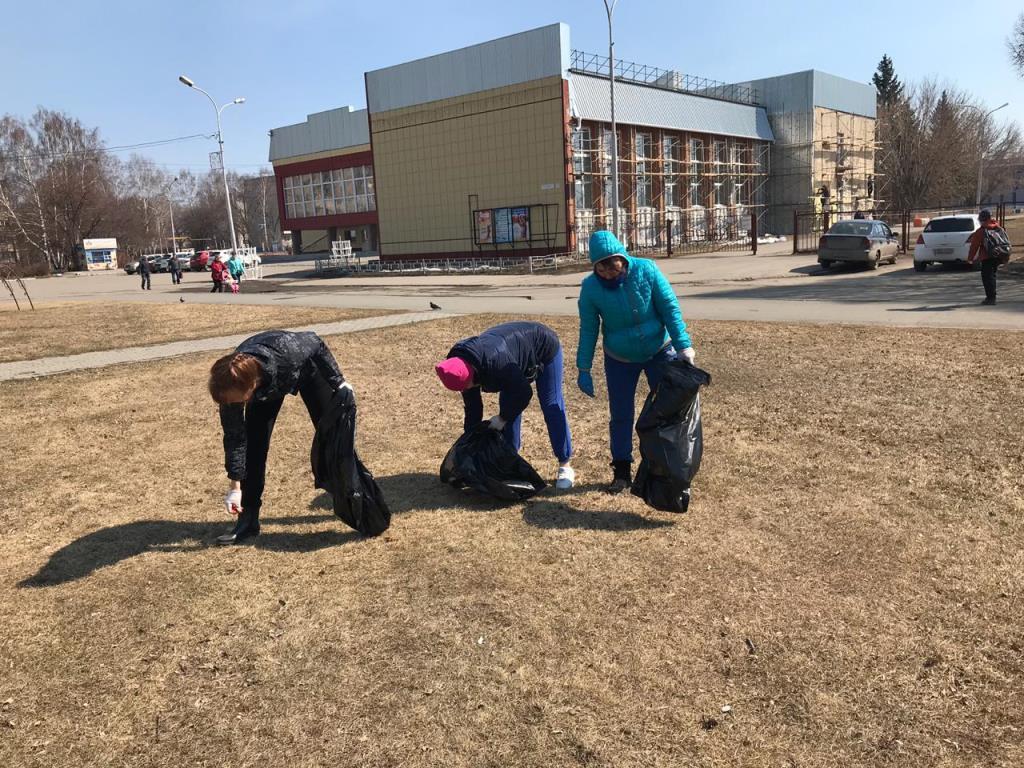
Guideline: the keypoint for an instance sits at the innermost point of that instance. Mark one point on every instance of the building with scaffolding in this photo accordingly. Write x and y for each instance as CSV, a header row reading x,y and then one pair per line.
x,y
504,148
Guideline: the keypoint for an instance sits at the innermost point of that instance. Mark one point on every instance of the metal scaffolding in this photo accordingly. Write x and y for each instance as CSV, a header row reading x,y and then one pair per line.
x,y
695,191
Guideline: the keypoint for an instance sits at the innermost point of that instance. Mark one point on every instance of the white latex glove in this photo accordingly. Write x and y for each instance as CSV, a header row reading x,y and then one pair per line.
x,y
689,355
233,501
346,385
496,423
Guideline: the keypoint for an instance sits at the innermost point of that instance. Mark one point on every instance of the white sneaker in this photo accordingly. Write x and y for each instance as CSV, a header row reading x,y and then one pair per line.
x,y
566,478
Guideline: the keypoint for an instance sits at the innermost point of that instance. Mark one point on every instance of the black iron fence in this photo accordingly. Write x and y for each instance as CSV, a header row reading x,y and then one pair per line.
x,y
678,232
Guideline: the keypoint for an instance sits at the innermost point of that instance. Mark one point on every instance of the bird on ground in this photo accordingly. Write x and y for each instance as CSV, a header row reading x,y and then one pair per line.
x,y
181,299
434,306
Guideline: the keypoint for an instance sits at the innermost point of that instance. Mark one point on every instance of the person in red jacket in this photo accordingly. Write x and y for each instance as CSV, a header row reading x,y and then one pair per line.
x,y
989,264
218,271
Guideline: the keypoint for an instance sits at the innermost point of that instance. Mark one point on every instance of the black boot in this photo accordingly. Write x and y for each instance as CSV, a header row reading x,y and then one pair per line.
x,y
247,527
623,476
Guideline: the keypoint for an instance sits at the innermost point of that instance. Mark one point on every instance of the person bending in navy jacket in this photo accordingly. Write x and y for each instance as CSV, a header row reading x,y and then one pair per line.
x,y
508,359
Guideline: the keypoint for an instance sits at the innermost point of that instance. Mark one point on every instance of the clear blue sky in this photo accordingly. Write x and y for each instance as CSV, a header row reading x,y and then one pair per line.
x,y
115,64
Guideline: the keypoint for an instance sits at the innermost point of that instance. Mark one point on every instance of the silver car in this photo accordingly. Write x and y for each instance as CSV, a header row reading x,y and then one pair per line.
x,y
859,241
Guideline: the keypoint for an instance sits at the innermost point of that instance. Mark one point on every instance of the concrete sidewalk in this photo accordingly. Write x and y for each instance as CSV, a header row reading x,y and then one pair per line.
x,y
49,366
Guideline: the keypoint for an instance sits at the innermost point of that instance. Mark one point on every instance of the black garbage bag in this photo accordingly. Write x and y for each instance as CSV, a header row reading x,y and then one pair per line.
x,y
482,459
337,469
671,438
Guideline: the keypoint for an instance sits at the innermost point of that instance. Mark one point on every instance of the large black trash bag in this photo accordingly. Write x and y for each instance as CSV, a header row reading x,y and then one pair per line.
x,y
671,438
482,459
337,469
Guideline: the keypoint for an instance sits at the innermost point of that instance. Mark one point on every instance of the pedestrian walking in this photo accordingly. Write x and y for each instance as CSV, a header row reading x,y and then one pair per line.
x,y
508,359
250,385
990,246
175,269
219,273
632,306
145,269
235,270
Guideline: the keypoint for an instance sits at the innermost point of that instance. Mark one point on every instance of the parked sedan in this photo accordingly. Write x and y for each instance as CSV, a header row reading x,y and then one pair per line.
x,y
858,241
945,241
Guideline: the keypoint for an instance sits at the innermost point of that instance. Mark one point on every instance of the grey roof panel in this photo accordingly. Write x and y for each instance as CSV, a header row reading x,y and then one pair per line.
x,y
519,58
661,108
323,131
802,91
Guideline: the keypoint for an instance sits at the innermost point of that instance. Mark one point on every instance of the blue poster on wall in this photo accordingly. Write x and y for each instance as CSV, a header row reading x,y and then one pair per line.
x,y
503,225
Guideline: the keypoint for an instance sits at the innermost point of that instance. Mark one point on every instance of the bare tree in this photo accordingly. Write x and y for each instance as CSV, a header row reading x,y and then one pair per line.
x,y
1016,45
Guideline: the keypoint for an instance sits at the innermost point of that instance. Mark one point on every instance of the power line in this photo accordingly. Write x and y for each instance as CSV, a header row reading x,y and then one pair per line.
x,y
105,150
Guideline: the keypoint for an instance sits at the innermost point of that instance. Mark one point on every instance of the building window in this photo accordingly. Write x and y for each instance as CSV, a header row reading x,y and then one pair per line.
x,y
583,168
327,193
696,173
670,155
645,157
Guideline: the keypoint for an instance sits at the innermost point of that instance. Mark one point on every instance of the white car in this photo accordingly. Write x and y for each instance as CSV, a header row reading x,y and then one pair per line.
x,y
944,241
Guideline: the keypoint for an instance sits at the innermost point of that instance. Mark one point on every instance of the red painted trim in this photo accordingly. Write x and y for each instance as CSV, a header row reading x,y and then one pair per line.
x,y
325,163
376,188
337,220
313,166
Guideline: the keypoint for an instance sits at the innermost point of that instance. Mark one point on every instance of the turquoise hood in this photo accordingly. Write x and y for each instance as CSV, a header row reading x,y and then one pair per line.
x,y
604,244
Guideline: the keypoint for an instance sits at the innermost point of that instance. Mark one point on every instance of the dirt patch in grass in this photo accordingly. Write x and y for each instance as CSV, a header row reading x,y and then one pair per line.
x,y
66,329
845,590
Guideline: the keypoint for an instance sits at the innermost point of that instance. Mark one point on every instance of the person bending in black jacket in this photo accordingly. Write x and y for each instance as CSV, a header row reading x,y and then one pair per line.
x,y
250,385
507,359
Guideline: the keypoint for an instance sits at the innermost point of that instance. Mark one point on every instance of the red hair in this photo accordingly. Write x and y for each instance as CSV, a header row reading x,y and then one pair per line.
x,y
234,377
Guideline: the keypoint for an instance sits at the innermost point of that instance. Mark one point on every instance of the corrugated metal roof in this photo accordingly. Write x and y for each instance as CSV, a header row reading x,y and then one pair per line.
x,y
660,108
323,131
519,58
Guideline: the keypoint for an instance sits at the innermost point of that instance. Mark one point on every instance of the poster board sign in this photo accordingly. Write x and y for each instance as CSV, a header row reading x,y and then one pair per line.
x,y
502,225
484,227
521,225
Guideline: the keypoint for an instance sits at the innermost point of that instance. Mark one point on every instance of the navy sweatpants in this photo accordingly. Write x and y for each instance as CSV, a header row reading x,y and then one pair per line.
x,y
552,404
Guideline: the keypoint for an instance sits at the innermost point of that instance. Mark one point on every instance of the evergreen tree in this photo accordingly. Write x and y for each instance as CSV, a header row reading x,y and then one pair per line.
x,y
887,84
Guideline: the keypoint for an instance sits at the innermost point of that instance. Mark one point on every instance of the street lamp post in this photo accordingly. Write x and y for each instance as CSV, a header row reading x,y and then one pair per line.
x,y
610,9
981,147
220,143
170,206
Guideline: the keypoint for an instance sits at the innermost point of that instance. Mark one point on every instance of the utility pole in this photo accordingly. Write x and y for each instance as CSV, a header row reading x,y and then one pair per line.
x,y
610,9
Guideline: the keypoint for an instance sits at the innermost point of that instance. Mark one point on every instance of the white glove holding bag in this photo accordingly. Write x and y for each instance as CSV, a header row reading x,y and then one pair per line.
x,y
233,502
688,354
496,423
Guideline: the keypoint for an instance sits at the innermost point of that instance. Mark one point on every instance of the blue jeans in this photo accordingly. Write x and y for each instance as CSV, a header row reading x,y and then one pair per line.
x,y
552,403
622,379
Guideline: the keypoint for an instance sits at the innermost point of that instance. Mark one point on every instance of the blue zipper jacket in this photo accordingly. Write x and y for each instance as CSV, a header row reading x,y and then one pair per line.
x,y
637,318
507,358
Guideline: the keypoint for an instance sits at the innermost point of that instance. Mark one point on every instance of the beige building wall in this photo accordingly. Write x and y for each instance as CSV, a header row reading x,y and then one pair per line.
x,y
506,145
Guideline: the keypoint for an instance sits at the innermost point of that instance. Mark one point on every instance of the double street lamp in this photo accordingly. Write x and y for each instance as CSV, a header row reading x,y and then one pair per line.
x,y
220,143
981,146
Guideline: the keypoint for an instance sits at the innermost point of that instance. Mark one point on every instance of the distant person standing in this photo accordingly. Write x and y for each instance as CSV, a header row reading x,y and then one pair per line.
x,y
219,272
235,269
144,272
991,246
175,269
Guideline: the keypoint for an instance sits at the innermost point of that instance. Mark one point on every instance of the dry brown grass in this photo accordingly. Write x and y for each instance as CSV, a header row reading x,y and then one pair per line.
x,y
66,329
847,580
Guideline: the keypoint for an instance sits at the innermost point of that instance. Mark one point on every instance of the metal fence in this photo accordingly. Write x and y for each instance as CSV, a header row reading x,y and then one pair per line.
x,y
679,231
809,226
669,79
473,265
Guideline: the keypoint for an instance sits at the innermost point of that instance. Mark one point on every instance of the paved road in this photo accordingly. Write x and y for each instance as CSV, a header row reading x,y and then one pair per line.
x,y
48,366
774,287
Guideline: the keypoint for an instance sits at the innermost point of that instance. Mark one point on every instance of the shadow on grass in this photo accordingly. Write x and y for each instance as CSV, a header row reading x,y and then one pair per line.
x,y
553,514
109,546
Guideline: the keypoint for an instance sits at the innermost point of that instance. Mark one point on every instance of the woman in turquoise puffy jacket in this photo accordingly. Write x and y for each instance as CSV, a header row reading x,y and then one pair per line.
x,y
634,307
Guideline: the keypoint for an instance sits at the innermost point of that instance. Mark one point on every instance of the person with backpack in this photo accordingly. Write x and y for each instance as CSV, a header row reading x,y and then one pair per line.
x,y
511,359
990,246
219,273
